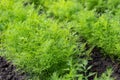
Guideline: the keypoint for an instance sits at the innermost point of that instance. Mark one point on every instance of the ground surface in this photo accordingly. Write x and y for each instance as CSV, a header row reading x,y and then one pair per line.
x,y
8,71
100,63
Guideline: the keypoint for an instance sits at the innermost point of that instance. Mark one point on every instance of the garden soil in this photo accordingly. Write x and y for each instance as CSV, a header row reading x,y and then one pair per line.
x,y
100,63
8,71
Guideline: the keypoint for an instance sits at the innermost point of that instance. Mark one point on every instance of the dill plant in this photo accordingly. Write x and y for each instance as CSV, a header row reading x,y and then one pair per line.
x,y
102,32
34,43
64,9
43,3
101,6
43,46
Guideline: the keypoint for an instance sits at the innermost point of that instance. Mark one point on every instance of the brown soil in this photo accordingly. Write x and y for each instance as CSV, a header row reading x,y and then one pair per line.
x,y
100,63
8,71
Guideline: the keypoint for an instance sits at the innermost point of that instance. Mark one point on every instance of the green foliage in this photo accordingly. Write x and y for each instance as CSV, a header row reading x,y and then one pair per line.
x,y
36,44
64,8
75,71
44,3
45,47
105,76
102,6
102,31
12,11
60,9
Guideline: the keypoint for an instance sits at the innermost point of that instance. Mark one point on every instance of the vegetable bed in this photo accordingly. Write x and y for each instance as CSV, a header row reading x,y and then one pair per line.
x,y
57,39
